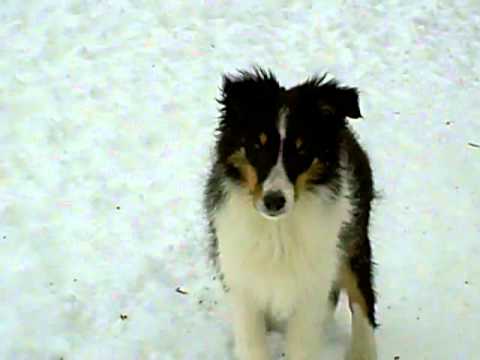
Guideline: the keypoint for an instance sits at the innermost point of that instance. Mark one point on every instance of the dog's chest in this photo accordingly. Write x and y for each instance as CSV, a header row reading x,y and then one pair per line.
x,y
279,262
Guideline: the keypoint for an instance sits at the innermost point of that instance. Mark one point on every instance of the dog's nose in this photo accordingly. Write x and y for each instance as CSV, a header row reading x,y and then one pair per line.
x,y
274,201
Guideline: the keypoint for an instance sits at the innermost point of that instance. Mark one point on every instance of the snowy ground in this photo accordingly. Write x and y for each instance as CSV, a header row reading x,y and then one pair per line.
x,y
106,114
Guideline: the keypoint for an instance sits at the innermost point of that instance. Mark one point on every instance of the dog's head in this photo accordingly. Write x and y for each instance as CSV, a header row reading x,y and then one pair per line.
x,y
279,143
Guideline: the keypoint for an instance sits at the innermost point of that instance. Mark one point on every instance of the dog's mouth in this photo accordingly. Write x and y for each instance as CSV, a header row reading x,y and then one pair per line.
x,y
272,215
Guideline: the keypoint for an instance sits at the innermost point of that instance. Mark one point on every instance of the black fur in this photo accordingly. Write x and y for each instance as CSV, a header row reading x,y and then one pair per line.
x,y
354,238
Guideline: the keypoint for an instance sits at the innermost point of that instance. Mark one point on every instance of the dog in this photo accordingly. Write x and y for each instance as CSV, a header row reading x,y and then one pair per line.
x,y
288,202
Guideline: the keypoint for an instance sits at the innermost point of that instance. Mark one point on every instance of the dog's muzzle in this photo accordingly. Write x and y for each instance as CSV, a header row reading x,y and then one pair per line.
x,y
274,202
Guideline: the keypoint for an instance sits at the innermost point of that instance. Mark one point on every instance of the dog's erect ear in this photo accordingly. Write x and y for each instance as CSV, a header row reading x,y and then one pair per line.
x,y
230,85
248,86
230,93
225,89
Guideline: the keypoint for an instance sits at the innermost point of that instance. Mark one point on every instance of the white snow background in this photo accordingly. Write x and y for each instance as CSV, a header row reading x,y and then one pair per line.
x,y
107,110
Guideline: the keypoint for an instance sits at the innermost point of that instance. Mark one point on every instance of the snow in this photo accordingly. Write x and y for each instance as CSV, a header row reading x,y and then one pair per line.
x,y
106,117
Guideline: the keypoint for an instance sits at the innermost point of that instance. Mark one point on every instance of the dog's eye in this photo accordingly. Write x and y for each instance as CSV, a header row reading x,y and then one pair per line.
x,y
257,146
303,152
300,146
262,140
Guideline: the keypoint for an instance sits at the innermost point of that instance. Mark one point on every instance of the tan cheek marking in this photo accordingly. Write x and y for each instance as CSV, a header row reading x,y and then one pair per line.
x,y
251,179
250,176
247,171
257,193
311,173
263,138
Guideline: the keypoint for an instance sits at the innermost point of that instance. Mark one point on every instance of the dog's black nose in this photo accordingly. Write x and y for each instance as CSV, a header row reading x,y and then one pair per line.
x,y
274,201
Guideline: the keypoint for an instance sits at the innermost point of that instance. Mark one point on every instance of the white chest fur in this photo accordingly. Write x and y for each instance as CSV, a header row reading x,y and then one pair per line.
x,y
279,263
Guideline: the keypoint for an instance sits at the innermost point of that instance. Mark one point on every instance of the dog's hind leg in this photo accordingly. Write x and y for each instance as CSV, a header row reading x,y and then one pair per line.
x,y
356,279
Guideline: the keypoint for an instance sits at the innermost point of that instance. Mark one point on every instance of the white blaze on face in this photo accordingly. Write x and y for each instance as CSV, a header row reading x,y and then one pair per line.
x,y
277,180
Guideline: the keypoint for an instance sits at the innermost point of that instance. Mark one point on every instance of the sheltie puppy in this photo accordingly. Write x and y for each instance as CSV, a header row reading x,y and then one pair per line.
x,y
288,201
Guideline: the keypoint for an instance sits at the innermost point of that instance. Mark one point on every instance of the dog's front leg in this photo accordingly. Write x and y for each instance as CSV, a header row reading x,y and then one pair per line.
x,y
304,332
249,328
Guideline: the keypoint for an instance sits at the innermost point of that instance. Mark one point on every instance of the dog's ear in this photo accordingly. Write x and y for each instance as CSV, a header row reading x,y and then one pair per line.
x,y
339,101
226,90
348,102
246,90
332,99
230,97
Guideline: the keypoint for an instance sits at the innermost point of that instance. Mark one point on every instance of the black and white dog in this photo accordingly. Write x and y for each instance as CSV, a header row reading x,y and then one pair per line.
x,y
288,201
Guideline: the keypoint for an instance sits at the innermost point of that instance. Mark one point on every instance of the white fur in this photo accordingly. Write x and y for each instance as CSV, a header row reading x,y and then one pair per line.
x,y
362,345
282,268
278,180
282,123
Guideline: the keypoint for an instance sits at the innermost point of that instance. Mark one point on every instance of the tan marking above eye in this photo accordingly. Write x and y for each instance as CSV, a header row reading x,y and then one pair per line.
x,y
263,138
247,171
298,143
326,109
303,181
238,158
